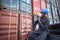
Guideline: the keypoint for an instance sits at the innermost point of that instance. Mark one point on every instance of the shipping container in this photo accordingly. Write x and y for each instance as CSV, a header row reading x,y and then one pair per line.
x,y
9,24
15,25
37,5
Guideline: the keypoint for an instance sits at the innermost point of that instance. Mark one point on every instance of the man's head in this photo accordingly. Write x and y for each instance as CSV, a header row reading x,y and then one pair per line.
x,y
44,12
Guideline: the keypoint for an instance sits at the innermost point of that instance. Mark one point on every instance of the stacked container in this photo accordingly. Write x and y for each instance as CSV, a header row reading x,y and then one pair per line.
x,y
10,23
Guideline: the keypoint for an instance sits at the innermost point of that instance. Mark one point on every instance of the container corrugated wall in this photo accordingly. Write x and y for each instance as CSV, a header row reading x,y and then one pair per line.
x,y
9,25
5,23
25,24
37,5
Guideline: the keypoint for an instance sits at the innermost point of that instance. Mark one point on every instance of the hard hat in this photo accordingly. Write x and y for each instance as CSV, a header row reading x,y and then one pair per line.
x,y
45,11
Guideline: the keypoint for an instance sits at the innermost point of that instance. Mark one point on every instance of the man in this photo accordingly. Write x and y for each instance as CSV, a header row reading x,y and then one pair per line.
x,y
44,24
42,29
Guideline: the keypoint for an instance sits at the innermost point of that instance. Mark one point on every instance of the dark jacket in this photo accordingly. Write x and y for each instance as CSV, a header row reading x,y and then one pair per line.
x,y
43,25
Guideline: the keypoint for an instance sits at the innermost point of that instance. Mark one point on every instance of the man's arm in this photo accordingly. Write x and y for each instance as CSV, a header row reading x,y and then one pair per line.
x,y
42,26
35,23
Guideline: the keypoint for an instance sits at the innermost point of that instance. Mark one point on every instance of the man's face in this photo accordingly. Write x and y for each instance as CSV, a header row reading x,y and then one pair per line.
x,y
43,14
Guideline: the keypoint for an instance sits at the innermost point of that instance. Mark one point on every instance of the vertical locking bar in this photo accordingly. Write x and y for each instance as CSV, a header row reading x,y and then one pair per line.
x,y
9,21
17,30
9,27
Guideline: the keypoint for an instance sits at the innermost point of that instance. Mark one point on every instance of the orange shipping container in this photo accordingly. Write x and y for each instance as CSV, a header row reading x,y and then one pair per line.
x,y
7,23
37,5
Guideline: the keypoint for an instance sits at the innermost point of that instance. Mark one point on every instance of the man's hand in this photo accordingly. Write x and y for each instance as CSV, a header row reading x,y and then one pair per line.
x,y
39,19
